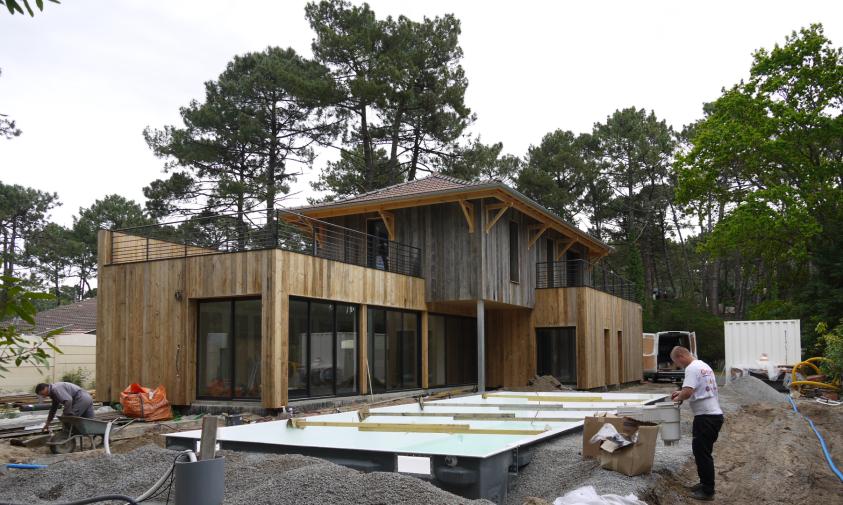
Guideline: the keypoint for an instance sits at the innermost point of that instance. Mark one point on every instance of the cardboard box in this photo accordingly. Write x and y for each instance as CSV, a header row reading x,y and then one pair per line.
x,y
632,460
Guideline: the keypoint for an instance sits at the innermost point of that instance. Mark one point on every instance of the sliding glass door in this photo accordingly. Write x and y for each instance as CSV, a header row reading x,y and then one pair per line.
x,y
323,348
229,349
557,353
394,350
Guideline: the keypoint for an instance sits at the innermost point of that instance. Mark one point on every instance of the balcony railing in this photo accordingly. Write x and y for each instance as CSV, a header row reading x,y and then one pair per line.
x,y
252,232
579,273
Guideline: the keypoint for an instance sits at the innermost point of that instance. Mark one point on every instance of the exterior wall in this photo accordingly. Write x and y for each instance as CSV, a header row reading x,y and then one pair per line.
x,y
593,313
78,351
510,347
146,312
497,285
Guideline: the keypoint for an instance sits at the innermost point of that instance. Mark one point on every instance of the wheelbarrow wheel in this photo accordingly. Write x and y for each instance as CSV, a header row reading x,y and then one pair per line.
x,y
62,447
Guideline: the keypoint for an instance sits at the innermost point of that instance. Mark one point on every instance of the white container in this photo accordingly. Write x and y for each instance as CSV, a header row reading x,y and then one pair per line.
x,y
762,345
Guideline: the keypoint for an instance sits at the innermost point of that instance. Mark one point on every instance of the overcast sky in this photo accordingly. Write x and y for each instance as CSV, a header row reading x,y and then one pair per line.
x,y
83,78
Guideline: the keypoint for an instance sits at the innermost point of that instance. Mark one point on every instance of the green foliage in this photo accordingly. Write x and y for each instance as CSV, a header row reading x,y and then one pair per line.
x,y
685,315
479,161
401,88
17,313
18,6
239,148
555,173
23,214
831,341
775,309
79,376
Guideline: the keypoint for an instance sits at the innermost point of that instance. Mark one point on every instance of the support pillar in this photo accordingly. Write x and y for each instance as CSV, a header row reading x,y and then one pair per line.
x,y
481,347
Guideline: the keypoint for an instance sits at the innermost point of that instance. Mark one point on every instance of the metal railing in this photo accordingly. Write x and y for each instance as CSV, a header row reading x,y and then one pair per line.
x,y
251,231
579,273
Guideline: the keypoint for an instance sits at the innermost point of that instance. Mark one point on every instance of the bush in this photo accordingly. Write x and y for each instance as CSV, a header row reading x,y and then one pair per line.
x,y
684,315
78,376
832,341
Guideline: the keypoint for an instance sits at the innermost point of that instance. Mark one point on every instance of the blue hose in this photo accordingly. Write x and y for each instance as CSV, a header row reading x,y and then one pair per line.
x,y
24,466
820,438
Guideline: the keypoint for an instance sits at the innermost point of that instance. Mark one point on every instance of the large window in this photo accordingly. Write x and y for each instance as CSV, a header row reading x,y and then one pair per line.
x,y
229,349
514,264
394,350
323,348
452,350
557,353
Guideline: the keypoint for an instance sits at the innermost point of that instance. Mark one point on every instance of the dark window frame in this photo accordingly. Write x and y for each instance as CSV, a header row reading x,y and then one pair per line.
x,y
514,252
448,384
334,304
373,243
231,301
370,350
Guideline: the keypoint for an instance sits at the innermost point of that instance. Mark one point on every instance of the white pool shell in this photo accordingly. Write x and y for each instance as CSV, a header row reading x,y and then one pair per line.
x,y
445,444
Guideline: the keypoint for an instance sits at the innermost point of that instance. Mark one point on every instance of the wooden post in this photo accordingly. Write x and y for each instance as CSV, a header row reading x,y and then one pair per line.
x,y
425,365
208,440
363,351
481,346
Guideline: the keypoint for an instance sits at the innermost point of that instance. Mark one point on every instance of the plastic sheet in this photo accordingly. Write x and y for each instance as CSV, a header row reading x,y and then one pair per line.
x,y
588,496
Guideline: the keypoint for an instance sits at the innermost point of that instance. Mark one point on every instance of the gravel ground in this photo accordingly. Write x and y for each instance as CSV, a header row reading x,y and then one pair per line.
x,y
256,479
556,468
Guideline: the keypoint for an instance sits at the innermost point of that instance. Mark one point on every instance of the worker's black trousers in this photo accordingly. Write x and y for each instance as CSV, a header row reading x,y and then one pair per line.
x,y
705,431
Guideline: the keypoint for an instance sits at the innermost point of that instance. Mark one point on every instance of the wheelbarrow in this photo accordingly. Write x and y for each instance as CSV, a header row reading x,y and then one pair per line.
x,y
75,430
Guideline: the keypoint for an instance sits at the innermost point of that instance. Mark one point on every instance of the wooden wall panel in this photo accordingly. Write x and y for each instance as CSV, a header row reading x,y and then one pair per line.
x,y
510,347
593,312
497,285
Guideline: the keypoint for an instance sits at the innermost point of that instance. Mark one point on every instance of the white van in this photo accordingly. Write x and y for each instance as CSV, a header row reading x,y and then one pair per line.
x,y
657,364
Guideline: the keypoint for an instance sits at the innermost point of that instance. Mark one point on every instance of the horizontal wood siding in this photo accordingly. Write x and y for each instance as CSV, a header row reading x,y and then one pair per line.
x,y
593,312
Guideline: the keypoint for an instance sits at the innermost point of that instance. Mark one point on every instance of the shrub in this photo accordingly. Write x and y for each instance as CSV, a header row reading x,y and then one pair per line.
x,y
832,341
78,376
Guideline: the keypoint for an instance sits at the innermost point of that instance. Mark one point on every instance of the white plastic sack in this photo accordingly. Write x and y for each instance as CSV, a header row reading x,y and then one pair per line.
x,y
588,496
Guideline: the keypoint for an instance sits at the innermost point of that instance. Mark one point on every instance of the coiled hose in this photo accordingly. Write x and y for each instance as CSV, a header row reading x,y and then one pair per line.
x,y
97,499
820,438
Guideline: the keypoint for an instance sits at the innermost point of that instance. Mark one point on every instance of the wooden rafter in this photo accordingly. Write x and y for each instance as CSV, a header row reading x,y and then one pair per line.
x,y
468,211
562,249
389,221
539,230
501,208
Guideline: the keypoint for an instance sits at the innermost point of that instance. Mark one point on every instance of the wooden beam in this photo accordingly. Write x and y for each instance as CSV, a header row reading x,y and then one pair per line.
x,y
523,406
561,252
471,416
539,229
389,221
501,208
561,398
468,212
410,428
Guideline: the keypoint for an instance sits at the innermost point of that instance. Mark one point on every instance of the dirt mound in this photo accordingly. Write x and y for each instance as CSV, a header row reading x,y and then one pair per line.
x,y
751,390
766,454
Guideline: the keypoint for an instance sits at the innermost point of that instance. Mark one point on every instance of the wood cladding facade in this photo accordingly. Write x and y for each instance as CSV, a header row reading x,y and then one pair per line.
x,y
148,305
608,330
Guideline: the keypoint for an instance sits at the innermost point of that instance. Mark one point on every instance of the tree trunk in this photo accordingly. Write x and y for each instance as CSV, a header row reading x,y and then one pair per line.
x,y
411,173
368,155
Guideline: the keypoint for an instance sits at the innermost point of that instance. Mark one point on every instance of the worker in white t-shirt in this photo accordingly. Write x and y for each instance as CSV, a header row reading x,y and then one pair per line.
x,y
700,389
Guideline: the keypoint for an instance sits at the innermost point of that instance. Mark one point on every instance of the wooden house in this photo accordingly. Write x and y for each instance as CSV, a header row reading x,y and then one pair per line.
x,y
430,283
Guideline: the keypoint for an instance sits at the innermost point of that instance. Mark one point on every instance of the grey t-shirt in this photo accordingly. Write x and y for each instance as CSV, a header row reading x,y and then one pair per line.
x,y
63,392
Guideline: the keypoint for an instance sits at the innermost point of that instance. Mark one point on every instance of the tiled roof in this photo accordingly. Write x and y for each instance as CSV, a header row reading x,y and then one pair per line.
x,y
430,184
79,317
